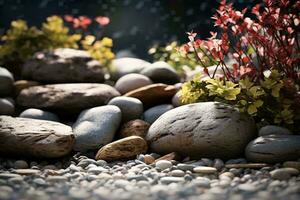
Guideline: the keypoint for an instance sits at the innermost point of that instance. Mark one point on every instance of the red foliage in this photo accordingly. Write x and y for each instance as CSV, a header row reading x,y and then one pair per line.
x,y
272,35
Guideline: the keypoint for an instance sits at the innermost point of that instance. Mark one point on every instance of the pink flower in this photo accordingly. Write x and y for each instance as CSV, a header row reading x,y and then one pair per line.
x,y
102,20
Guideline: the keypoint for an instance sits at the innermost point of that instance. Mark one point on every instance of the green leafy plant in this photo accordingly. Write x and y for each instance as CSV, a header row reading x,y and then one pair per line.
x,y
20,42
181,61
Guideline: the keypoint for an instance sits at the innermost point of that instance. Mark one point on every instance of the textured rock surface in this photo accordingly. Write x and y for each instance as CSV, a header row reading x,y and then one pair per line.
x,y
135,127
123,66
7,106
96,127
153,94
68,97
131,82
31,137
63,66
274,148
155,112
161,72
273,130
6,82
39,114
207,129
125,148
132,108
22,84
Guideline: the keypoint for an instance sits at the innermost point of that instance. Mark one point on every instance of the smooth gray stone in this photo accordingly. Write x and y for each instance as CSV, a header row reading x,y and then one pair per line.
x,y
70,97
170,179
161,72
6,82
274,149
96,127
284,173
131,108
7,106
274,130
125,65
131,82
208,129
63,65
155,112
34,113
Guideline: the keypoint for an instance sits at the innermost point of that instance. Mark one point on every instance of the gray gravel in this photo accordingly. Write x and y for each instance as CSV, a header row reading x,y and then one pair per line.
x,y
85,178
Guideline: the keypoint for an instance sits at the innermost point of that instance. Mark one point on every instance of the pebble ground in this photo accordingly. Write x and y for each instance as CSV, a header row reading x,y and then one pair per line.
x,y
84,178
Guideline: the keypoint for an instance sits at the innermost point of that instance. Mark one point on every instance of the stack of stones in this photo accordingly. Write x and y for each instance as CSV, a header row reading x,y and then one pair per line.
x,y
68,104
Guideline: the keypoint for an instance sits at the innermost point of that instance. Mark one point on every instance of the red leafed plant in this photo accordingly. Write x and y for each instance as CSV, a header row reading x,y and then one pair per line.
x,y
264,77
267,42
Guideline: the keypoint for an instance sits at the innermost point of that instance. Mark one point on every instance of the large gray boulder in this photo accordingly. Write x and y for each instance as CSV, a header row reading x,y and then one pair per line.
x,y
67,97
6,82
63,66
274,148
34,138
209,129
96,127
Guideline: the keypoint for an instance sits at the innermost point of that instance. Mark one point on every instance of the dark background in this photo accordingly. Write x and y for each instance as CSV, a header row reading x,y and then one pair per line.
x,y
136,25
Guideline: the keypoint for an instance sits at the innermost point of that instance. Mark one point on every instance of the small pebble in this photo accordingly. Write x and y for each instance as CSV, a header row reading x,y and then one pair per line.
x,y
205,170
284,173
21,164
163,164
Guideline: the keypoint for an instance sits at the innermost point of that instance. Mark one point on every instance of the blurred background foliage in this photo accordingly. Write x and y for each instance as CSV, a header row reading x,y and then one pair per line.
x,y
136,25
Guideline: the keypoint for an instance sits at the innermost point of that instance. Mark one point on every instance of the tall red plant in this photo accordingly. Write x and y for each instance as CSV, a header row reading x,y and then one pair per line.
x,y
267,41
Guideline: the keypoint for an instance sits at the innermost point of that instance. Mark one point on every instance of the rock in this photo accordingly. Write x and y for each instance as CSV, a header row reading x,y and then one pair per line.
x,y
186,167
7,106
148,159
247,165
176,99
274,130
170,179
163,164
205,170
135,127
6,82
23,84
21,164
153,94
155,112
169,157
73,97
274,148
39,114
292,164
161,72
284,173
131,82
177,173
37,138
208,129
63,66
125,148
130,107
218,164
96,127
27,172
123,66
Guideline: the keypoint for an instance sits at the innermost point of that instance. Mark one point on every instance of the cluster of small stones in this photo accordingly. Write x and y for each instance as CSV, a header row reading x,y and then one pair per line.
x,y
147,177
